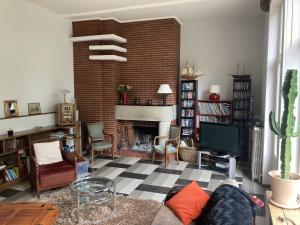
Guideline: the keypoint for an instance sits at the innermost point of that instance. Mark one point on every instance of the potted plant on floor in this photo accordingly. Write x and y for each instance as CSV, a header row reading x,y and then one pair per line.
x,y
284,184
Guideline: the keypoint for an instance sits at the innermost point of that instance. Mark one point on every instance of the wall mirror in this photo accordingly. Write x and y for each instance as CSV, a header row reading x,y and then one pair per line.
x,y
11,108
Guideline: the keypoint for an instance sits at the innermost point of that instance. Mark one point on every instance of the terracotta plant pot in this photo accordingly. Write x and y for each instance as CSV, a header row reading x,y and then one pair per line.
x,y
285,193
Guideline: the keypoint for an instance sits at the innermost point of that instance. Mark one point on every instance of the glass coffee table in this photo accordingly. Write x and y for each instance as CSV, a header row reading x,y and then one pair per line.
x,y
93,190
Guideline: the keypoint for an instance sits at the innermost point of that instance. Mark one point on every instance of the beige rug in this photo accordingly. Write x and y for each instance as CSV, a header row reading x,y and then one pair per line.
x,y
129,211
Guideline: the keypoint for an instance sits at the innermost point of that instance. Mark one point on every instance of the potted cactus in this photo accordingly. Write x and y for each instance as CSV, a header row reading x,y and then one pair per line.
x,y
284,184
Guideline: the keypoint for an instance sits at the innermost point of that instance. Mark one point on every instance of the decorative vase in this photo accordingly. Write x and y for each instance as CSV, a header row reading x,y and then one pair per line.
x,y
125,98
285,192
214,97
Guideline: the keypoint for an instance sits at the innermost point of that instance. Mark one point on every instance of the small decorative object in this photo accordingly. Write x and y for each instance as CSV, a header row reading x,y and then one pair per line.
x,y
165,90
11,108
10,132
34,108
137,101
189,72
123,91
214,93
66,112
149,102
284,184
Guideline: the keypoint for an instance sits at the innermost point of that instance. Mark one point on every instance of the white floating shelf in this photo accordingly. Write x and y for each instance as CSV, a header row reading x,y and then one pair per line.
x,y
101,37
107,47
108,57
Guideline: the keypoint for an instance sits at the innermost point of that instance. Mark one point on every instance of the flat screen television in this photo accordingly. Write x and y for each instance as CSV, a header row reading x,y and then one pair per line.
x,y
220,138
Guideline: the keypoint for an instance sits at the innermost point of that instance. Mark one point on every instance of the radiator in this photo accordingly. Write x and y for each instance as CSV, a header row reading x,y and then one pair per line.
x,y
257,153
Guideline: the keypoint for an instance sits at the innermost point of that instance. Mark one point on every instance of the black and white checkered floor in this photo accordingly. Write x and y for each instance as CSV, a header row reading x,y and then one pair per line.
x,y
143,179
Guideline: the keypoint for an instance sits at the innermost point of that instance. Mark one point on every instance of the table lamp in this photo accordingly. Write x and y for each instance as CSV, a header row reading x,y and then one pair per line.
x,y
214,93
164,89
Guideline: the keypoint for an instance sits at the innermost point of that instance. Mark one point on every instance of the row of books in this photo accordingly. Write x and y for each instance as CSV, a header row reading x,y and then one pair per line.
x,y
243,86
187,112
188,95
214,108
213,119
188,103
241,104
12,174
242,94
241,115
187,122
187,86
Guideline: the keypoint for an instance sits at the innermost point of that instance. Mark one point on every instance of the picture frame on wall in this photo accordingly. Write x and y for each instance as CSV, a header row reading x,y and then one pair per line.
x,y
11,108
34,108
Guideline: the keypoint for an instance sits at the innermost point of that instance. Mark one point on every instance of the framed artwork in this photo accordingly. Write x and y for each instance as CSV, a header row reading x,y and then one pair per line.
x,y
11,108
34,108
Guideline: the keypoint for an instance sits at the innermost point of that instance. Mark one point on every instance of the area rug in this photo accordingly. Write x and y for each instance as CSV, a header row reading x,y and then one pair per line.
x,y
128,210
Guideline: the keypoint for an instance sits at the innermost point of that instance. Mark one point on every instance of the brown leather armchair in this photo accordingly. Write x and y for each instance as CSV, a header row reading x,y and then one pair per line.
x,y
44,177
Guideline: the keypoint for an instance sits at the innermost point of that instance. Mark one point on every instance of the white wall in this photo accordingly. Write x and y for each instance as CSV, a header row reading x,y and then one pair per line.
x,y
217,46
35,61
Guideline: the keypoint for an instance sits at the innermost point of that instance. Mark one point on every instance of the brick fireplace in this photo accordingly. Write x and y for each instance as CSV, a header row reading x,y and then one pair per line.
x,y
152,59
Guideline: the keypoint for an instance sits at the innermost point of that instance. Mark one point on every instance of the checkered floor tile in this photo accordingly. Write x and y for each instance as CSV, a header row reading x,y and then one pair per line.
x,y
145,179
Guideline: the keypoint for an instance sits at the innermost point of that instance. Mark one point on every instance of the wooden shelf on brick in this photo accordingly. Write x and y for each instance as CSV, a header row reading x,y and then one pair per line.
x,y
108,57
101,37
107,48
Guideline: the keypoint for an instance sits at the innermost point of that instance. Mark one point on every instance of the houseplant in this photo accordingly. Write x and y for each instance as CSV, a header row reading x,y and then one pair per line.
x,y
286,185
123,91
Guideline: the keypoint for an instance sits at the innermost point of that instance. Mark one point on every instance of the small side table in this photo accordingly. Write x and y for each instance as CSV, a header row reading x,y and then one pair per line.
x,y
228,159
274,213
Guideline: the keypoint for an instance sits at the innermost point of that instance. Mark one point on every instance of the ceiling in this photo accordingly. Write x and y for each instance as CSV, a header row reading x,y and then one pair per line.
x,y
128,10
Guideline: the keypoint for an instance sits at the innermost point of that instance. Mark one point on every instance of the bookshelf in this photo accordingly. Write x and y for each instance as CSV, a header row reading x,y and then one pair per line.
x,y
188,97
242,99
214,111
242,112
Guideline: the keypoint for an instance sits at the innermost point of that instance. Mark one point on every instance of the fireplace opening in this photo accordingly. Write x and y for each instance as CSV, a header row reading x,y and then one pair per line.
x,y
143,138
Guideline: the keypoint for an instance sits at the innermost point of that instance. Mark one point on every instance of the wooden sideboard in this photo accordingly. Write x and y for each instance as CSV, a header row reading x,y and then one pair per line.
x,y
14,150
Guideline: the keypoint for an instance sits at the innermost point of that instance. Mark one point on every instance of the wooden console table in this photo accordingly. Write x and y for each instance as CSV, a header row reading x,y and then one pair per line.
x,y
280,216
28,213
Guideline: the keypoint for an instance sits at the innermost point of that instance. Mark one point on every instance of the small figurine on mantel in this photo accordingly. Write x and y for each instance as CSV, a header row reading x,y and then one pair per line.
x,y
189,72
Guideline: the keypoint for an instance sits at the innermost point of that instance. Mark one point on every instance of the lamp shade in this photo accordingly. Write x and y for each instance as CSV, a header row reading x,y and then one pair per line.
x,y
164,89
215,89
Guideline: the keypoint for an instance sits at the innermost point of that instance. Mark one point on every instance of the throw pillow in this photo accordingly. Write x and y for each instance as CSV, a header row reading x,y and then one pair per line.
x,y
47,152
188,203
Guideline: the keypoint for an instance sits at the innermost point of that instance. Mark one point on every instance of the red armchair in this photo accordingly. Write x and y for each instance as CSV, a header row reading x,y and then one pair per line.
x,y
59,174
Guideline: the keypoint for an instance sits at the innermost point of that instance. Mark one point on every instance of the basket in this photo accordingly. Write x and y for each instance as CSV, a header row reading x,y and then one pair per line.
x,y
188,154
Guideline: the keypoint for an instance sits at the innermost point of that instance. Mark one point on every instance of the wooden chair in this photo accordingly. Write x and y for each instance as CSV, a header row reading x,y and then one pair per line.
x,y
99,140
170,146
59,174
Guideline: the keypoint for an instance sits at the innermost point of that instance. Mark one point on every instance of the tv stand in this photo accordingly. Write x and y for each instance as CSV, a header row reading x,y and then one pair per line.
x,y
228,161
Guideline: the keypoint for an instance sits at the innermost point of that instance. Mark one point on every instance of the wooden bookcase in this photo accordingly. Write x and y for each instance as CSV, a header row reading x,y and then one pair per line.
x,y
188,97
14,150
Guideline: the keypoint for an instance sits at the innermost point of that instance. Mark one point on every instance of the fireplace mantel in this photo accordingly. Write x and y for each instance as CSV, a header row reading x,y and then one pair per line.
x,y
146,113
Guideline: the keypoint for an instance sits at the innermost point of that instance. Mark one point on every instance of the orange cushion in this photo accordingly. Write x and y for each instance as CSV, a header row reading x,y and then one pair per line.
x,y
188,203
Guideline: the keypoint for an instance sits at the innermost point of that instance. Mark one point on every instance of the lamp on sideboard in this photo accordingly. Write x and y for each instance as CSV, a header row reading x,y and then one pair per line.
x,y
214,93
165,90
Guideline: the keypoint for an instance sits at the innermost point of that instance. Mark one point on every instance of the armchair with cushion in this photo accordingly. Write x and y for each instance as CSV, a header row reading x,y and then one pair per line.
x,y
170,146
50,166
99,140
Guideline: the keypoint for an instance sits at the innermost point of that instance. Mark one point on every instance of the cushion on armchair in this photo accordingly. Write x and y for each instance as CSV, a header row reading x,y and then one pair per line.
x,y
160,149
96,130
47,152
101,145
